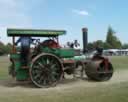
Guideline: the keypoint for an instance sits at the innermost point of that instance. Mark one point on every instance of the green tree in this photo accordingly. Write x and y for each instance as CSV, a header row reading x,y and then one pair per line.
x,y
125,46
8,48
98,43
90,46
107,45
93,45
2,47
111,40
5,49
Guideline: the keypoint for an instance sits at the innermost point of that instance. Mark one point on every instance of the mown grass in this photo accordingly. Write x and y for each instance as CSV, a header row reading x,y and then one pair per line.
x,y
4,64
119,62
111,93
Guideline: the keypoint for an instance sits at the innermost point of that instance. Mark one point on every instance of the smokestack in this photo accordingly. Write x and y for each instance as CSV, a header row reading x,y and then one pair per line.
x,y
85,39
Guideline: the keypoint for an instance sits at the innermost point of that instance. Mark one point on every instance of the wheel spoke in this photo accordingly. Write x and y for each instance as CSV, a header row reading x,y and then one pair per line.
x,y
44,82
40,80
41,65
47,61
51,61
43,61
36,76
36,67
53,67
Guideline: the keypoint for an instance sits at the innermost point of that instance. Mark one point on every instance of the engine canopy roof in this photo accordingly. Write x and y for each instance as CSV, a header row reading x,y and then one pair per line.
x,y
35,32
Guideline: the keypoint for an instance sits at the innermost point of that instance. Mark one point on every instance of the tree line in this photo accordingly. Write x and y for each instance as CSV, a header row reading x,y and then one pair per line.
x,y
111,42
5,48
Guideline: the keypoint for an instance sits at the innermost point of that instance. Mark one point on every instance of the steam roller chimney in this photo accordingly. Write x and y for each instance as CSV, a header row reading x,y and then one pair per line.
x,y
85,39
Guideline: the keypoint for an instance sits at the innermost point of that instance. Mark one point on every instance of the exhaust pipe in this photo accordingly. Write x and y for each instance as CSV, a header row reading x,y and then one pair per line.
x,y
85,39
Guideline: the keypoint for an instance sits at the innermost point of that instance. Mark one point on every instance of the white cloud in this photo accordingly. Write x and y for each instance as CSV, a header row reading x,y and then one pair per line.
x,y
12,15
80,12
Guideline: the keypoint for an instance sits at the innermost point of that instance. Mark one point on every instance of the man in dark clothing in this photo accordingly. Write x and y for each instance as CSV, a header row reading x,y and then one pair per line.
x,y
99,51
76,44
25,49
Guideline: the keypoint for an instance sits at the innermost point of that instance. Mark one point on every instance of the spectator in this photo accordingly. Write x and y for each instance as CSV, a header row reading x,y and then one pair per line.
x,y
76,45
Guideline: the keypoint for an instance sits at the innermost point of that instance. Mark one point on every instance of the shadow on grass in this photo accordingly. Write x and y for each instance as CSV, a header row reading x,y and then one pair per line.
x,y
72,80
12,83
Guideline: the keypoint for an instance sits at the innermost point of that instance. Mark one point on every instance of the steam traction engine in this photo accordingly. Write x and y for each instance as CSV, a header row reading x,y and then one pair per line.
x,y
48,61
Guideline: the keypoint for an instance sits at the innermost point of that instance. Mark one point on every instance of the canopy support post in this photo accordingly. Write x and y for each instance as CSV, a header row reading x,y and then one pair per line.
x,y
13,48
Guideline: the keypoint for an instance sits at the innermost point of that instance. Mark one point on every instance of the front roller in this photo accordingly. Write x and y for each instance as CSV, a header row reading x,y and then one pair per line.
x,y
46,70
99,70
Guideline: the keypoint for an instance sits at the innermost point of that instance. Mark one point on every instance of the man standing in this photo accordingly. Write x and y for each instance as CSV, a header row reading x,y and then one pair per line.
x,y
25,49
76,44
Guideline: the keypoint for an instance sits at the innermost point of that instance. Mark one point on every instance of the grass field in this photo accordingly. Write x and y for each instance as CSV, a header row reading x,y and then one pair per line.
x,y
115,90
116,93
4,63
120,62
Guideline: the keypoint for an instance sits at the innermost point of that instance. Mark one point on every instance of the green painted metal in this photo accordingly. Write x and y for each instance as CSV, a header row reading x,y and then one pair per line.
x,y
35,32
21,74
66,53
16,59
77,58
60,52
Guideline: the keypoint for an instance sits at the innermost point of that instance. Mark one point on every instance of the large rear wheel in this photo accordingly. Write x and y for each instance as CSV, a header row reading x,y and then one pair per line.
x,y
46,70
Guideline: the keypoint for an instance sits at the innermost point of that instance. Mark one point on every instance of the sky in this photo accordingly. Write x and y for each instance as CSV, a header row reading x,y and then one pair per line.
x,y
69,15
